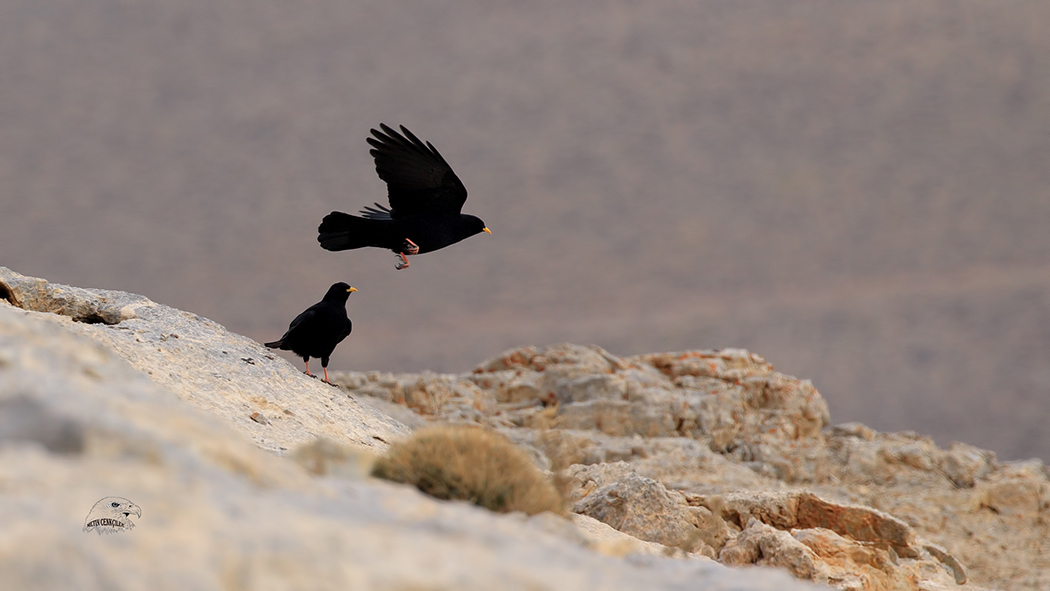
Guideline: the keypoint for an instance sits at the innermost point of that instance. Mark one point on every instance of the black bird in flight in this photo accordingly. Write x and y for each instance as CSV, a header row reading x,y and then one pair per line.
x,y
317,331
425,198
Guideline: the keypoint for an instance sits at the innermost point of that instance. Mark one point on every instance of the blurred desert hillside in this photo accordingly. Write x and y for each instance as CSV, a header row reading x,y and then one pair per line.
x,y
858,191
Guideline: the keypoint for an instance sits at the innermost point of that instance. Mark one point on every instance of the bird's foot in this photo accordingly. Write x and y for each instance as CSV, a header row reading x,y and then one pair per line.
x,y
307,372
409,247
325,380
403,263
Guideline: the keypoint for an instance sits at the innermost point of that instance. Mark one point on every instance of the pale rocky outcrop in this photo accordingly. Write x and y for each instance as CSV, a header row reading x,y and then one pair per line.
x,y
716,453
670,459
1017,489
645,509
208,366
90,410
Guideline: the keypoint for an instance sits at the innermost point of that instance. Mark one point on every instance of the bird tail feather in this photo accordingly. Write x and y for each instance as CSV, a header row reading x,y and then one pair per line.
x,y
342,231
275,344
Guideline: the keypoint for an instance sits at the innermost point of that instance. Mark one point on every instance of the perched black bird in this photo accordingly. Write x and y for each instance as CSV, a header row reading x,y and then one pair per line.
x,y
425,202
317,331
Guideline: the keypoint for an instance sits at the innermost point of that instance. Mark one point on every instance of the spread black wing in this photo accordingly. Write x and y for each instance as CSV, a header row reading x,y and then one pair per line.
x,y
418,179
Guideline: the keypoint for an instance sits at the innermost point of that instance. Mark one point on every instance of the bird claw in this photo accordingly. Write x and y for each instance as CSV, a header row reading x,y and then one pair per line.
x,y
403,263
409,247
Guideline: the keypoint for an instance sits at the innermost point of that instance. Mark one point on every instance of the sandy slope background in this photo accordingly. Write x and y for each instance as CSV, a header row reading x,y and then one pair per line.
x,y
859,191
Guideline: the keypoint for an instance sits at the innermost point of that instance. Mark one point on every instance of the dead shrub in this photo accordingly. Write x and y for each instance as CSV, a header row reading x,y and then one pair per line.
x,y
470,464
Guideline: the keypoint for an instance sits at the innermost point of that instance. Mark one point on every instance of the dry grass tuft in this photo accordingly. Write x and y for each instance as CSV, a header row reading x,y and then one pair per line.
x,y
470,464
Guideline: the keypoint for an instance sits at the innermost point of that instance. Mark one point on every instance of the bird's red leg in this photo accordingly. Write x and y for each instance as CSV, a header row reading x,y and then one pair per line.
x,y
308,369
408,247
326,375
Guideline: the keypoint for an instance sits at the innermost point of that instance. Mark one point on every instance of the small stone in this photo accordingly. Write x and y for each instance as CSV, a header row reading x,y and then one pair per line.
x,y
949,561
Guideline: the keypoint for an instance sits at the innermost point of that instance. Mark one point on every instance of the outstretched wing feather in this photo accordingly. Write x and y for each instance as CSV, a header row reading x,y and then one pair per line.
x,y
418,178
378,212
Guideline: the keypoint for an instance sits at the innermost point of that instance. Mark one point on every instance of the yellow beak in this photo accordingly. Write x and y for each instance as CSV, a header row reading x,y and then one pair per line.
x,y
486,230
351,290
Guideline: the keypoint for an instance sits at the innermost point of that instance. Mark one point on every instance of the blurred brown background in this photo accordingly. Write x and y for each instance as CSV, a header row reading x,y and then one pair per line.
x,y
858,191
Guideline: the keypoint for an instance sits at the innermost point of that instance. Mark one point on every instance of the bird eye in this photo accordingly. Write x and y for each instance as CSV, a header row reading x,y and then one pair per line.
x,y
114,504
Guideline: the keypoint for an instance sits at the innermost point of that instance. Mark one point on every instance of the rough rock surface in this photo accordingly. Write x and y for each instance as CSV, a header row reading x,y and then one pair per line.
x,y
90,410
645,509
715,453
215,370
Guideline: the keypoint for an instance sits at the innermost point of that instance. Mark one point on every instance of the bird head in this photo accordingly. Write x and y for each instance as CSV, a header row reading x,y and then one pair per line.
x,y
111,514
475,225
339,292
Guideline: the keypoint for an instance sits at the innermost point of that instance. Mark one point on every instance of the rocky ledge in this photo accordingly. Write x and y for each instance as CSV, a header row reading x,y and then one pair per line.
x,y
717,454
679,467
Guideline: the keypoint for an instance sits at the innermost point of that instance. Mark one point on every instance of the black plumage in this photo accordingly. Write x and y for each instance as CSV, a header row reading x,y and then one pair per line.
x,y
425,198
317,331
